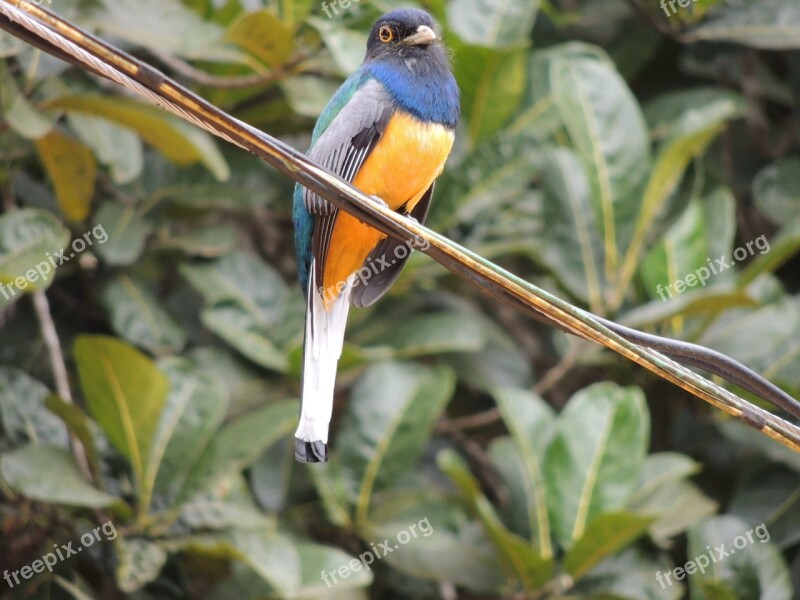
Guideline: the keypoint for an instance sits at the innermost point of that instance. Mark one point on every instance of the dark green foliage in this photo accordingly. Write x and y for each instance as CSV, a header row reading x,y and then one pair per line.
x,y
608,149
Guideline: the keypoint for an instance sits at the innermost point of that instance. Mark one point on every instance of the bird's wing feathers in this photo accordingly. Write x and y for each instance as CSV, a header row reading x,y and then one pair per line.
x,y
345,144
342,148
368,291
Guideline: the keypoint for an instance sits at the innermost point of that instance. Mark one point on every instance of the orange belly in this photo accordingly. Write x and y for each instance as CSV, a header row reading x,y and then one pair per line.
x,y
402,166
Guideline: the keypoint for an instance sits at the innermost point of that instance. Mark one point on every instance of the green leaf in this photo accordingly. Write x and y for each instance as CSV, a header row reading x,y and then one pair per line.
x,y
492,23
137,316
164,25
79,425
274,557
571,242
49,474
238,444
443,545
436,333
176,139
683,261
138,563
663,491
682,113
205,242
27,239
668,170
243,279
127,232
495,175
776,191
126,394
772,497
519,559
492,83
531,424
117,147
263,35
605,535
72,170
766,24
608,133
23,413
752,566
195,409
500,363
633,573
345,45
247,333
594,459
316,559
20,114
386,428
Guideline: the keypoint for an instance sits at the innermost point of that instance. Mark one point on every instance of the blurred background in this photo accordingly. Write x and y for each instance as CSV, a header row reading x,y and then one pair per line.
x,y
612,152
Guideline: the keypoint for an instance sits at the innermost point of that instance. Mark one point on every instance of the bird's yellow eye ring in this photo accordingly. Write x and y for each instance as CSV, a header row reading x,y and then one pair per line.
x,y
386,34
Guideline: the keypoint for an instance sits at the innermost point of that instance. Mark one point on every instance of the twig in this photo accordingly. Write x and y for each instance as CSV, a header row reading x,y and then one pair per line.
x,y
48,329
488,417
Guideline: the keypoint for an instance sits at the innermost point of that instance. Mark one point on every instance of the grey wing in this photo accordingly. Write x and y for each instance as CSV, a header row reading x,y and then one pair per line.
x,y
342,148
368,291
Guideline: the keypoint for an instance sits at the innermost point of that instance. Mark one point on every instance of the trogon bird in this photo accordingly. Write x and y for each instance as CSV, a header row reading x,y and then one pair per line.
x,y
388,130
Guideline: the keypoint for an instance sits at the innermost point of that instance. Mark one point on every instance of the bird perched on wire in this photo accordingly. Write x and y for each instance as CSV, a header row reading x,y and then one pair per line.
x,y
388,130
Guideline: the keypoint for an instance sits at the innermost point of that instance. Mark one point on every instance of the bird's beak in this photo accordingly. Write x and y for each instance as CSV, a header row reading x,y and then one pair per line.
x,y
424,35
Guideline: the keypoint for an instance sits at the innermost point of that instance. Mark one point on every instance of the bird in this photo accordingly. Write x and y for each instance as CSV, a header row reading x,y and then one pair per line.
x,y
388,130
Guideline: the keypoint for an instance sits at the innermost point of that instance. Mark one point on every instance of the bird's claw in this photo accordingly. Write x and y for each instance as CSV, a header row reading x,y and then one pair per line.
x,y
380,201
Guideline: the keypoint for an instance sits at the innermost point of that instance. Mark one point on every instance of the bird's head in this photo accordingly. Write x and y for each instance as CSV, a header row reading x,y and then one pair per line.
x,y
403,33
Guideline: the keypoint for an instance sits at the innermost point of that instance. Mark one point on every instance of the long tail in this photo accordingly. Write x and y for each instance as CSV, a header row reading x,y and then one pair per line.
x,y
322,348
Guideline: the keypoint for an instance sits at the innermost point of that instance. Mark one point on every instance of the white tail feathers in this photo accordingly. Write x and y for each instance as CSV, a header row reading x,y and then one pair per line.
x,y
324,337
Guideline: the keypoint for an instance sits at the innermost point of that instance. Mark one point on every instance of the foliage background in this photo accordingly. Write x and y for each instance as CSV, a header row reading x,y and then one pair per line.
x,y
605,148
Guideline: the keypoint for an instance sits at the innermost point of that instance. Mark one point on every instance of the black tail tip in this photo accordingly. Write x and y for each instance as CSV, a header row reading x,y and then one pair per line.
x,y
310,452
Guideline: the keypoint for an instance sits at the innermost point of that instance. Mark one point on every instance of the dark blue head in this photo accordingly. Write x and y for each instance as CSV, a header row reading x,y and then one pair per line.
x,y
406,56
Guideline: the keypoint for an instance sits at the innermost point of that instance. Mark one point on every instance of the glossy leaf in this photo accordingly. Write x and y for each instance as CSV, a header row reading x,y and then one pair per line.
x,y
592,464
49,474
753,569
531,424
137,316
492,82
140,562
385,429
23,413
605,535
592,100
179,141
492,23
519,559
72,169
28,239
238,444
126,394
194,410
767,24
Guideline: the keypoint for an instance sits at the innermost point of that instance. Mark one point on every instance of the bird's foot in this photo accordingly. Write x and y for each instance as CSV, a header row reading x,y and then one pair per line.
x,y
380,201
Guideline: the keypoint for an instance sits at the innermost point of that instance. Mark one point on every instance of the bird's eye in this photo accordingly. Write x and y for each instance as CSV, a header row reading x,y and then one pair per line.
x,y
386,34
